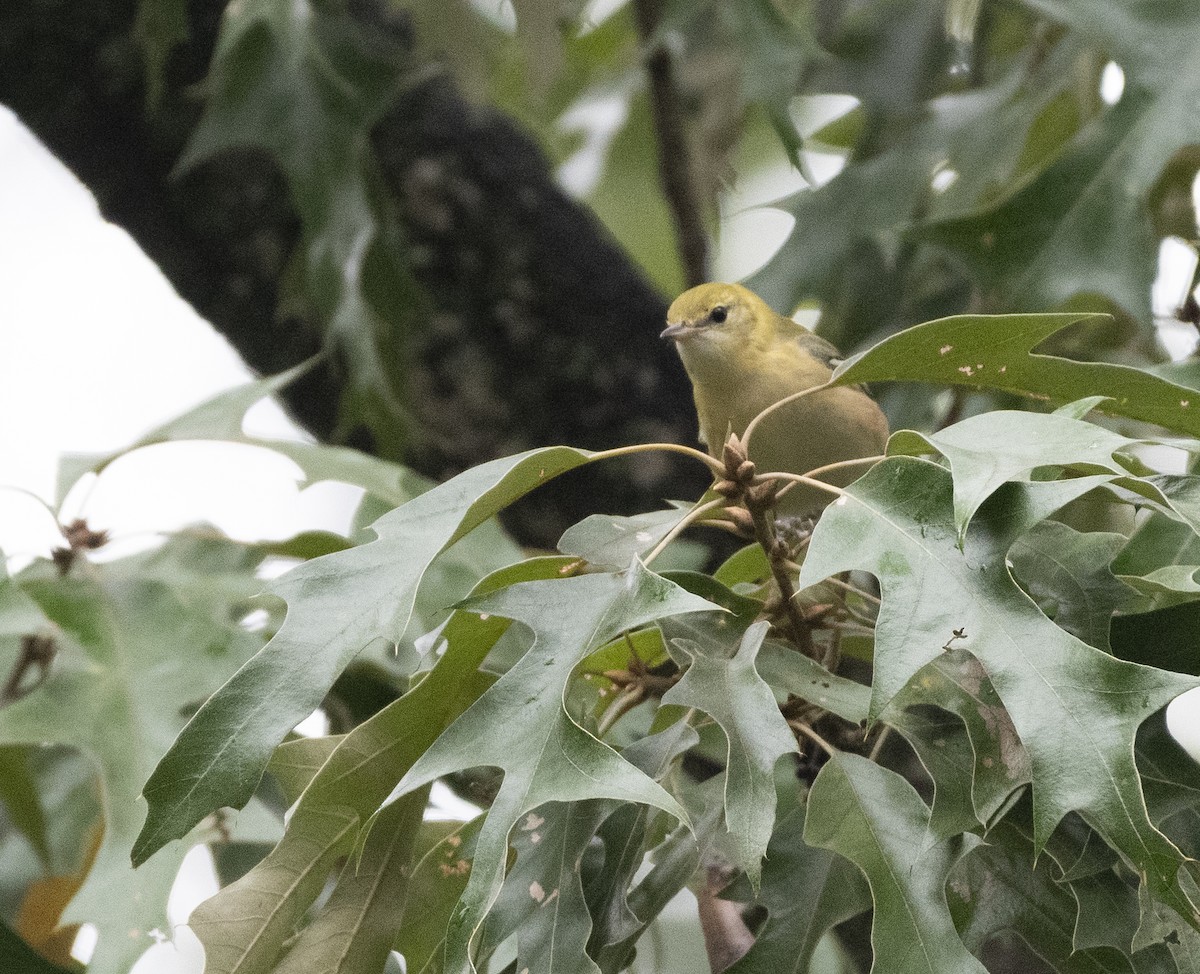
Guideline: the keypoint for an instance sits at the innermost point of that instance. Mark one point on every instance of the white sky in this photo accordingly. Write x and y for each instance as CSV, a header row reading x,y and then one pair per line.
x,y
96,349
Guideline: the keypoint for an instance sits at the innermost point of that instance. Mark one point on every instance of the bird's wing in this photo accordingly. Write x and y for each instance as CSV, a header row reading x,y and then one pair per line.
x,y
816,346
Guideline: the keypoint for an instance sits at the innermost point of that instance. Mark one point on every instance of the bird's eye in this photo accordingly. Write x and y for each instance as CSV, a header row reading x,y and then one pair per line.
x,y
719,314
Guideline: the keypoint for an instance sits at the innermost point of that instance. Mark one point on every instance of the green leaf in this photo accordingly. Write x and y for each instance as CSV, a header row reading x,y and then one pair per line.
x,y
883,196
1003,885
18,794
245,926
545,755
140,641
608,541
625,837
1160,560
995,352
1084,227
1171,780
542,900
786,670
355,928
675,863
747,566
20,615
993,448
955,682
806,891
1068,574
875,819
296,762
941,743
723,683
337,605
304,82
438,880
1075,709
755,52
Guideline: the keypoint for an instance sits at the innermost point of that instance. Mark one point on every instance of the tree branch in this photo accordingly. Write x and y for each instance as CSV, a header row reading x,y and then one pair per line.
x,y
674,150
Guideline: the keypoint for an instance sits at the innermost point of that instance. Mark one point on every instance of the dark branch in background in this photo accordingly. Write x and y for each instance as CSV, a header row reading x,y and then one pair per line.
x,y
541,330
674,149
544,331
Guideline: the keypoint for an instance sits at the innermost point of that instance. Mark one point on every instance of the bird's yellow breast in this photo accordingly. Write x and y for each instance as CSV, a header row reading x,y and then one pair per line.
x,y
825,427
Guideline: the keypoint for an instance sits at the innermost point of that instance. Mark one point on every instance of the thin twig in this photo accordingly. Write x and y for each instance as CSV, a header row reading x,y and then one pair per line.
x,y
845,463
815,737
825,469
675,170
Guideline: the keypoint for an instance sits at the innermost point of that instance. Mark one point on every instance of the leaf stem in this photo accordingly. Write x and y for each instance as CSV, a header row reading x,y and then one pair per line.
x,y
785,401
841,464
688,519
711,462
798,478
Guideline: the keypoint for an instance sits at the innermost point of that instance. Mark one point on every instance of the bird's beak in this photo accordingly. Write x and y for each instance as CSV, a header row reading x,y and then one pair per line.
x,y
673,331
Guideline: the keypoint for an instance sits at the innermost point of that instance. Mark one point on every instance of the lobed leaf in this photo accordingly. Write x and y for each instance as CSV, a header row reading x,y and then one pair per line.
x,y
337,604
806,891
991,449
1069,574
545,755
244,927
996,352
139,641
1075,709
727,687
876,819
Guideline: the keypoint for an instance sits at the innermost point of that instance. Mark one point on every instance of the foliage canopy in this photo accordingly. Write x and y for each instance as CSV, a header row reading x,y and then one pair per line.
x,y
962,765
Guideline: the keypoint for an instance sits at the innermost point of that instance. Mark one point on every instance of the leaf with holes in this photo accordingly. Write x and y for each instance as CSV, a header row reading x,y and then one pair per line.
x,y
996,352
1075,709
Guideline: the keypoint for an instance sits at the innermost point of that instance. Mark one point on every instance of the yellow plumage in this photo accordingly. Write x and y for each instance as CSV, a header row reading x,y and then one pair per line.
x,y
743,357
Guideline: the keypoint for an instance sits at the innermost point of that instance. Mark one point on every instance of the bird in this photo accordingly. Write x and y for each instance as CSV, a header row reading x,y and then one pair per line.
x,y
742,357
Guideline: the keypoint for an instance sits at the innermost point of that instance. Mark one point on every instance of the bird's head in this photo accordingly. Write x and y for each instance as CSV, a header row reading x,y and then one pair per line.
x,y
718,318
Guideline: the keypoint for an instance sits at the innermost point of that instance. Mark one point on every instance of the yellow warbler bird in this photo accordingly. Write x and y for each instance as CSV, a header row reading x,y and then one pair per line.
x,y
743,357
